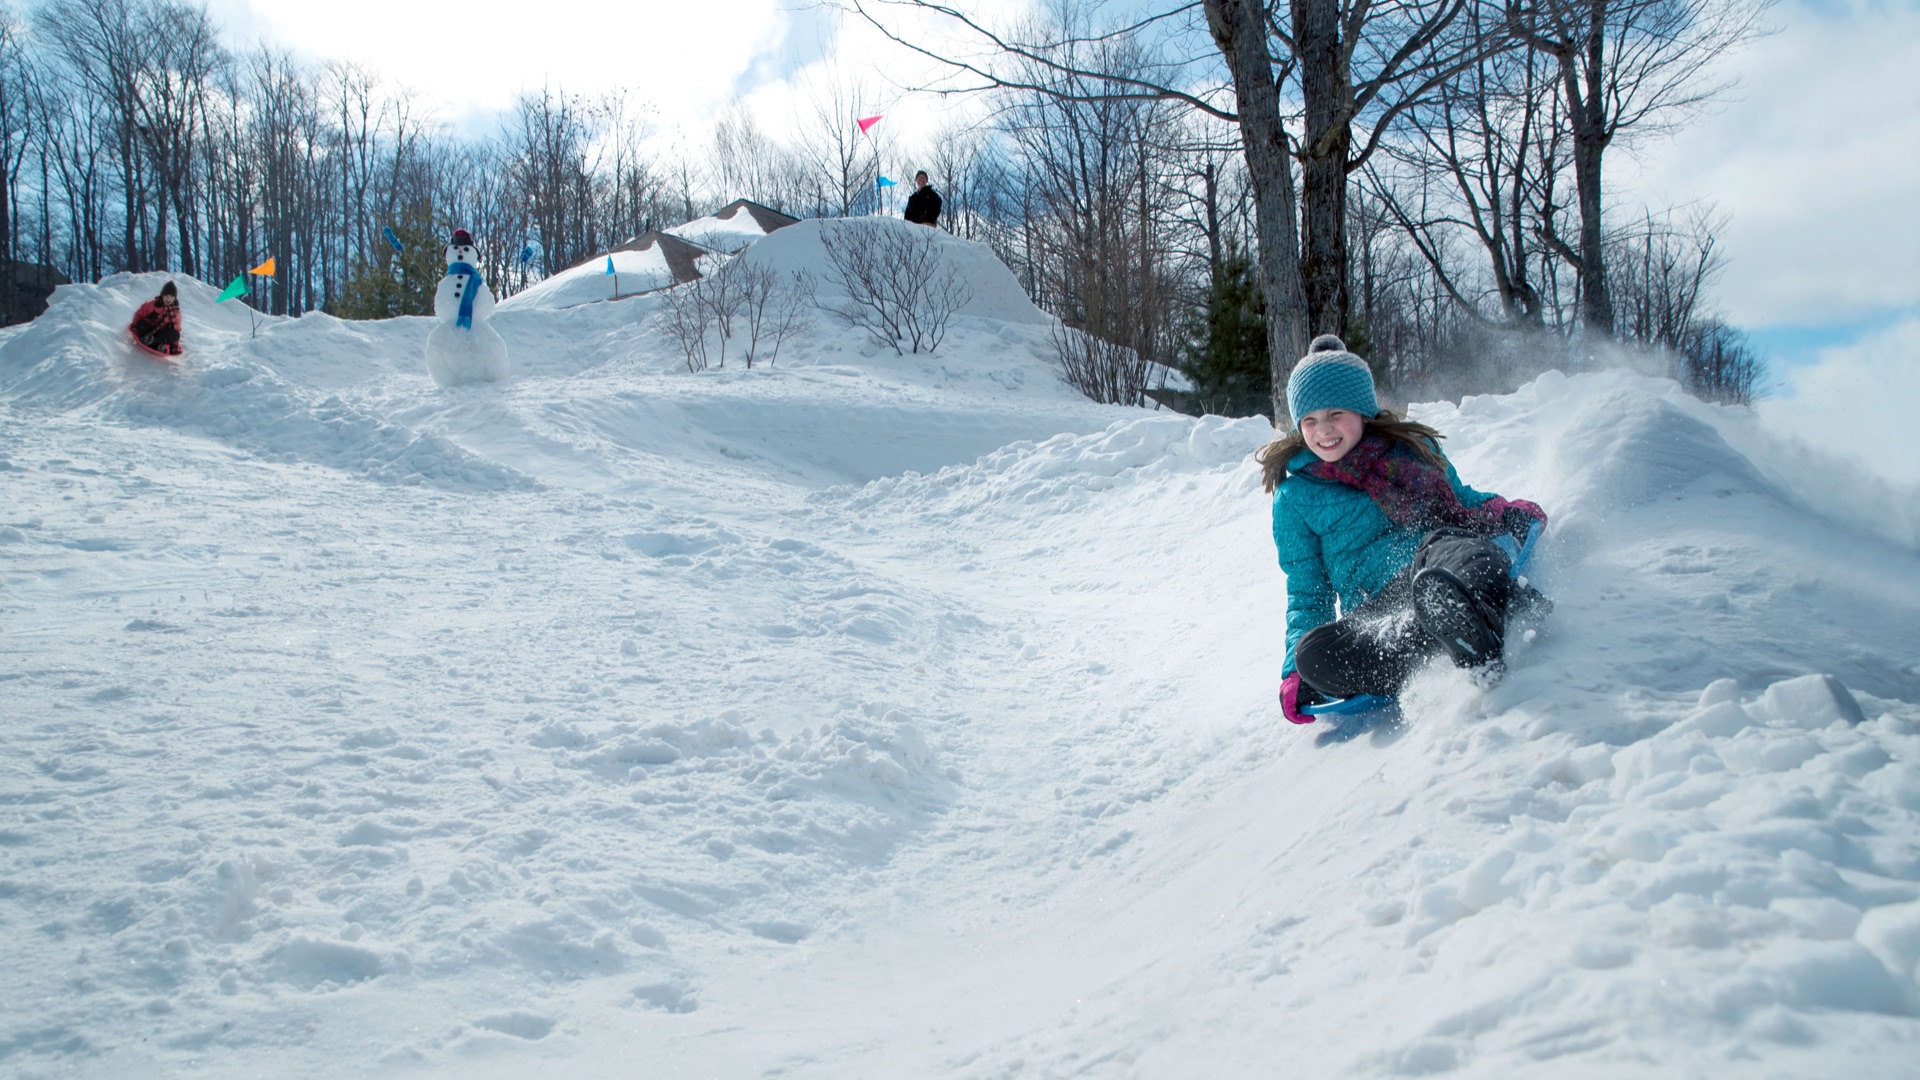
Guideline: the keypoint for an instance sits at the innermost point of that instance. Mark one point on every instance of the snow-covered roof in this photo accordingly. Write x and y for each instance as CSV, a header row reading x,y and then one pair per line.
x,y
734,226
656,259
647,263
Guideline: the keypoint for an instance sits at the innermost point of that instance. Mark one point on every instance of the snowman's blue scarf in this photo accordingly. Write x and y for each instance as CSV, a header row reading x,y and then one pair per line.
x,y
465,319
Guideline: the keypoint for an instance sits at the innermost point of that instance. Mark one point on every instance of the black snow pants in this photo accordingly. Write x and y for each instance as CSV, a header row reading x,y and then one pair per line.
x,y
1451,599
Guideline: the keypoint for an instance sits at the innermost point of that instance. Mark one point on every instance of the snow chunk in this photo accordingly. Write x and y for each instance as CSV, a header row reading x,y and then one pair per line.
x,y
1810,701
1892,932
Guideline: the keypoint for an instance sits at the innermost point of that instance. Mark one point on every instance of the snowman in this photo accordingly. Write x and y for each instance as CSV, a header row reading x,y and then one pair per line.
x,y
463,348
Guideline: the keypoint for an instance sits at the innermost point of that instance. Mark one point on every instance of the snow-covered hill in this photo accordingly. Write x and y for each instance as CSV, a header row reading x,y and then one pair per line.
x,y
869,716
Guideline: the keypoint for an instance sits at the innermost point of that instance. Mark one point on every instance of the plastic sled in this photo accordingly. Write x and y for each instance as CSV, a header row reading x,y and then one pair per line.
x,y
157,354
1519,553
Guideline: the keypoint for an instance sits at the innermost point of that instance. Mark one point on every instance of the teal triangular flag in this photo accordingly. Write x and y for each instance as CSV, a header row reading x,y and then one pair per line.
x,y
236,287
882,182
609,264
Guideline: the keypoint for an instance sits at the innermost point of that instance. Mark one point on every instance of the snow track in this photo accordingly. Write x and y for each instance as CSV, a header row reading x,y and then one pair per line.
x,y
881,717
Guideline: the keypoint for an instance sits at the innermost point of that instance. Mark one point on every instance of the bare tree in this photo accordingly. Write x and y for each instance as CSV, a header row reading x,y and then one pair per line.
x,y
749,164
1361,62
359,119
775,305
550,141
840,161
1624,65
686,318
1101,174
1661,269
103,52
632,190
1105,371
898,288
1240,31
284,132
1480,156
18,87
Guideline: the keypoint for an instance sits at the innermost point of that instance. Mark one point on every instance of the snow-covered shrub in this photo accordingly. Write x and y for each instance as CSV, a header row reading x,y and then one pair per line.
x,y
689,316
776,306
1104,371
700,316
898,288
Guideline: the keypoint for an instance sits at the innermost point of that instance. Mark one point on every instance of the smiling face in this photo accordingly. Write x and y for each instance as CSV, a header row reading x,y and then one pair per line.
x,y
1330,433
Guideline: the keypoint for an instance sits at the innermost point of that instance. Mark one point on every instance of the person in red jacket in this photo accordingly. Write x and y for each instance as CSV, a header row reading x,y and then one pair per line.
x,y
157,323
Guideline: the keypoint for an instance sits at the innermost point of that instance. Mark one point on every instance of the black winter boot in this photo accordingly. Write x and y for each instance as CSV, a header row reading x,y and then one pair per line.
x,y
1466,626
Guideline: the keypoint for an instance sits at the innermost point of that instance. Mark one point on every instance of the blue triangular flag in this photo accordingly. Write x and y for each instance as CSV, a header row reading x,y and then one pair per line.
x,y
882,182
609,264
398,247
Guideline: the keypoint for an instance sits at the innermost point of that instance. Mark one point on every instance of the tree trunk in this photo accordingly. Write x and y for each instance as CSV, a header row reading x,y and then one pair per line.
x,y
1326,91
1240,31
1590,138
1596,298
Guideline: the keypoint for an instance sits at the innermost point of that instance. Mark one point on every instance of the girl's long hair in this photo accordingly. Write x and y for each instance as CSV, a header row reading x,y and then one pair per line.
x,y
1421,440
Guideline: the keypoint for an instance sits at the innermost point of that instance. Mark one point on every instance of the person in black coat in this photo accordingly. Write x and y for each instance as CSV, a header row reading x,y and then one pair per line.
x,y
923,206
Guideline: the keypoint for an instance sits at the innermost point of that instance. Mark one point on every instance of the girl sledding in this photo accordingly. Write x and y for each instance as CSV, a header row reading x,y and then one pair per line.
x,y
156,326
1390,559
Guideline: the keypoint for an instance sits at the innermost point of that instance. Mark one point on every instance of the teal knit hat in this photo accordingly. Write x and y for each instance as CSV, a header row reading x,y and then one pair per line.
x,y
1330,377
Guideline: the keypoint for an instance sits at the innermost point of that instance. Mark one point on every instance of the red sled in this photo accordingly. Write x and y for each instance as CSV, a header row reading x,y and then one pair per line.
x,y
158,354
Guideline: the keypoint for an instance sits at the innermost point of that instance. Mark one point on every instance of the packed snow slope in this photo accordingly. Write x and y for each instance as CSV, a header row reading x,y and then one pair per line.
x,y
878,716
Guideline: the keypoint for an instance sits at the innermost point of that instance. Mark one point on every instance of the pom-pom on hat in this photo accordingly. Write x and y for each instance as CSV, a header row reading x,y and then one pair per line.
x,y
1330,377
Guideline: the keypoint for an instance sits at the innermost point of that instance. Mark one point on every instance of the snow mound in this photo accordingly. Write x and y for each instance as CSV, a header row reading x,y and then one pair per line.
x,y
1066,470
77,362
996,294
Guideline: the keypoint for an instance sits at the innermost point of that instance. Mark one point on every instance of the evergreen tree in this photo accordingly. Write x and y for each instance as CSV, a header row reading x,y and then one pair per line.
x,y
1226,354
399,284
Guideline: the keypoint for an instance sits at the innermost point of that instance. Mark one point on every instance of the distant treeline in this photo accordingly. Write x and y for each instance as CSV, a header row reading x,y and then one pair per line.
x,y
134,137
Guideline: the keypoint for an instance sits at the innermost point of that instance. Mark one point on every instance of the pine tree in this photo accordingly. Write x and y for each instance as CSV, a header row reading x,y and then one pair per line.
x,y
400,284
1226,355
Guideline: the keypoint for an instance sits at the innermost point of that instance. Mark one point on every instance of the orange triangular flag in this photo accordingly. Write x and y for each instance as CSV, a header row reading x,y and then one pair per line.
x,y
265,269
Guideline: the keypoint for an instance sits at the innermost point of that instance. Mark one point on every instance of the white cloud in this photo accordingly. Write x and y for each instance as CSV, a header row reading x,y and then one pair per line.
x,y
1816,160
683,61
1857,401
478,55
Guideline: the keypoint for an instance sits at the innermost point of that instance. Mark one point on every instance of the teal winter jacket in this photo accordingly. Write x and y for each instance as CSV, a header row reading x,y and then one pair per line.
x,y
1336,543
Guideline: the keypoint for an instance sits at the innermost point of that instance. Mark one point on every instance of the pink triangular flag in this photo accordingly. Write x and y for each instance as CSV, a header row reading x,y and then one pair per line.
x,y
868,122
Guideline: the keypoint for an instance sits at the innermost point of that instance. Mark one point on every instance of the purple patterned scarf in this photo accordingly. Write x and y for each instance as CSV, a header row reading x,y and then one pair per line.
x,y
1409,490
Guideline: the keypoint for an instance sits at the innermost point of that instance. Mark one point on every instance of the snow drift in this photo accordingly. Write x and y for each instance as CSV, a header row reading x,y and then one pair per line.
x,y
876,717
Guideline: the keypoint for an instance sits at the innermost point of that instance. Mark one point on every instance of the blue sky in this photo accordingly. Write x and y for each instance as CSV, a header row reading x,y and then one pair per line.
x,y
1815,158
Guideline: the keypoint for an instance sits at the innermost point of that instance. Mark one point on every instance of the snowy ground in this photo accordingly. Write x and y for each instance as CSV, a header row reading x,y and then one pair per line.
x,y
880,716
